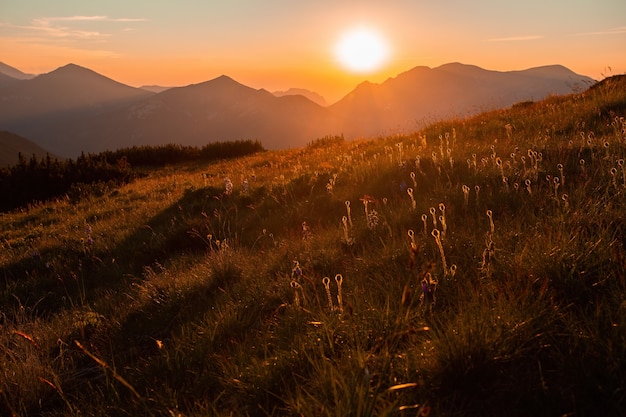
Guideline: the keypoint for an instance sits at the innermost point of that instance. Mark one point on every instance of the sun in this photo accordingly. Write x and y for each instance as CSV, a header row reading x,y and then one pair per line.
x,y
361,49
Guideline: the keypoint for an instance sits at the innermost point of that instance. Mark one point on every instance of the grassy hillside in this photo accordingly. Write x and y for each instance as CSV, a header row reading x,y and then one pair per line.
x,y
291,283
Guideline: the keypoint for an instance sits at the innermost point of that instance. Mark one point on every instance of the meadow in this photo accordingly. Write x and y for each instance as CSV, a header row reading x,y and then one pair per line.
x,y
476,267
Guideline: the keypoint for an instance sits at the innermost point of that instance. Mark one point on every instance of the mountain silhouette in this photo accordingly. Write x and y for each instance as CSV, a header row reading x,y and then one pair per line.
x,y
31,107
154,88
14,72
217,110
423,95
11,145
7,80
311,95
73,109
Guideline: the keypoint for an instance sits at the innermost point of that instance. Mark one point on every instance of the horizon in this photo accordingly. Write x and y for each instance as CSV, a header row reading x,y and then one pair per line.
x,y
277,46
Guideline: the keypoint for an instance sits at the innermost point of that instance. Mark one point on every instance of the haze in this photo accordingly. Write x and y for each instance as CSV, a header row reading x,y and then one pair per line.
x,y
279,44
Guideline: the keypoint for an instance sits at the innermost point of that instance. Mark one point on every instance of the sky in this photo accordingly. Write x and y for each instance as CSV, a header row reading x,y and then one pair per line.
x,y
280,44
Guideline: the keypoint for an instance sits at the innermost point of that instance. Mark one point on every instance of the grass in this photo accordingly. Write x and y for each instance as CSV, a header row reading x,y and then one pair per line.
x,y
174,295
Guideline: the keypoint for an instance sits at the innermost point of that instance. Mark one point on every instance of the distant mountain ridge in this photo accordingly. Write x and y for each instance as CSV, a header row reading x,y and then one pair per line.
x,y
155,88
311,95
12,145
14,72
423,95
74,109
70,90
217,110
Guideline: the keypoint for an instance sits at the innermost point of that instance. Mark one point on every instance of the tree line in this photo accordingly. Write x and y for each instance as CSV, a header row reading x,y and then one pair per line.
x,y
41,179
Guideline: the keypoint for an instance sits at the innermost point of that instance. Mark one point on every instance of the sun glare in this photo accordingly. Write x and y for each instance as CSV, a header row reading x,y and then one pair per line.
x,y
361,50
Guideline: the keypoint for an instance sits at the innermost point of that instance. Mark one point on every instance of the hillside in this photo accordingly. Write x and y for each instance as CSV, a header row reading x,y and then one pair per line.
x,y
476,267
14,72
6,80
11,145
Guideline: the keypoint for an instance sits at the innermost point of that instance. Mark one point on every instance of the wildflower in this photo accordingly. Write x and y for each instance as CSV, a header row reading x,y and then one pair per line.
x,y
306,231
339,280
410,193
429,287
582,168
560,168
613,173
491,225
326,282
453,269
296,296
346,235
433,213
296,271
349,217
228,186
466,191
436,234
556,181
366,200
444,226
372,219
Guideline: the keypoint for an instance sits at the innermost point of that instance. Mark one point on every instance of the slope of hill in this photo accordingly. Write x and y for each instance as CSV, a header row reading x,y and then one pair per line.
x,y
154,88
423,95
311,95
483,274
11,145
6,80
217,110
14,72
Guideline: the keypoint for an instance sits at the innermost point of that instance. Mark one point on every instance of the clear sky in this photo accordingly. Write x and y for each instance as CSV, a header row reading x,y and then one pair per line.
x,y
278,44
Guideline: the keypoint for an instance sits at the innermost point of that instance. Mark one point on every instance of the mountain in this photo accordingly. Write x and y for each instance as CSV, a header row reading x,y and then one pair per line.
x,y
423,95
14,72
51,101
73,109
217,110
154,88
311,95
67,91
11,145
6,80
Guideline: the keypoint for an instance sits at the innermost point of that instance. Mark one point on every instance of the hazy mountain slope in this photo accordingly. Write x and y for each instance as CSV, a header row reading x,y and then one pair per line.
x,y
311,95
217,110
11,145
6,80
68,93
423,95
154,88
74,109
14,72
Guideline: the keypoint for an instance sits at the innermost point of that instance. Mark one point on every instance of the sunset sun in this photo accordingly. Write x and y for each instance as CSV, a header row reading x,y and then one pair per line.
x,y
361,50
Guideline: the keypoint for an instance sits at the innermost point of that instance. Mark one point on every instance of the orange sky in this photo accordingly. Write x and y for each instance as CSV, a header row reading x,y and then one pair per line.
x,y
278,44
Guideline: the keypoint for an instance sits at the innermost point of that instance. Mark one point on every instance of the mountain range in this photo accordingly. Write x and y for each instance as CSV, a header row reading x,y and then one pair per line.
x,y
74,109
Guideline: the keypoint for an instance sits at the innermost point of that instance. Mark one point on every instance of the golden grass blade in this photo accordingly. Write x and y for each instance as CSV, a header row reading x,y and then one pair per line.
x,y
105,365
